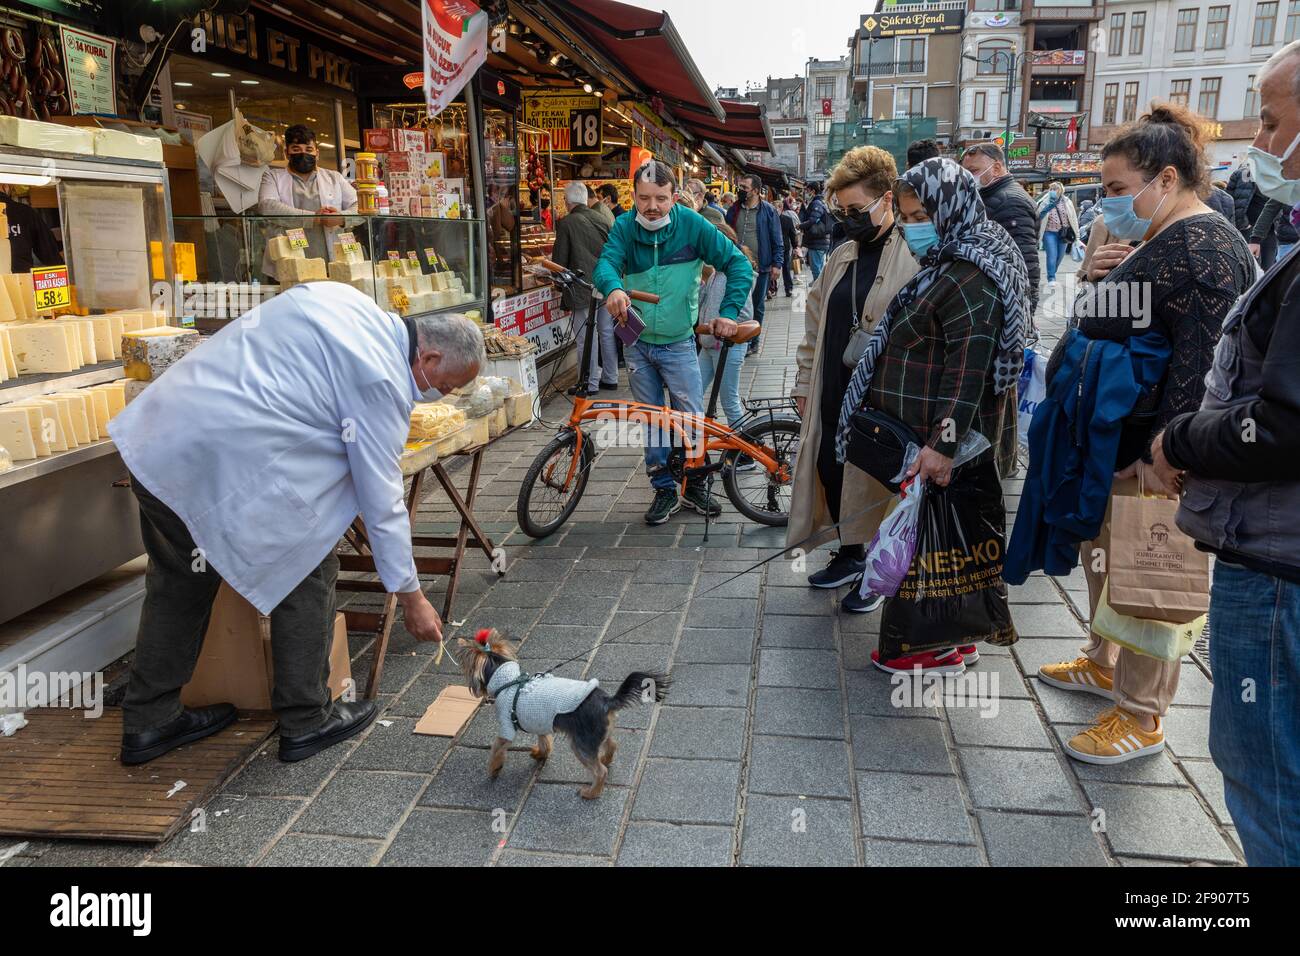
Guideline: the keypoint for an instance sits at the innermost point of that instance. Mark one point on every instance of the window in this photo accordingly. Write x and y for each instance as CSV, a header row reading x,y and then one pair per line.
x,y
1004,108
1109,103
995,57
1293,21
1130,102
823,125
909,101
1180,91
1251,108
819,158
1116,34
911,55
825,87
1265,24
1216,28
1185,37
1208,105
981,105
1137,32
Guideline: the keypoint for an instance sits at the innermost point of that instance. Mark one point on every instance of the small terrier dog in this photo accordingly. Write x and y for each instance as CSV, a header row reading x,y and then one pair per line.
x,y
541,704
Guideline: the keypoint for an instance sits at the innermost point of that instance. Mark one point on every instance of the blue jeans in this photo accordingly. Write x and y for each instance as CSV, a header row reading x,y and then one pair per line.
x,y
1053,245
816,259
729,389
651,369
1283,248
603,366
1255,709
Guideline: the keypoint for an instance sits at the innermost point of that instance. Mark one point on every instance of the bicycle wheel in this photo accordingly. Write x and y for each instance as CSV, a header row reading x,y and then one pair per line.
x,y
544,502
760,495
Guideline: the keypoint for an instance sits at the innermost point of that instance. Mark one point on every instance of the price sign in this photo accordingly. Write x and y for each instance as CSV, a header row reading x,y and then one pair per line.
x,y
573,120
347,243
394,255
50,288
431,256
413,256
297,238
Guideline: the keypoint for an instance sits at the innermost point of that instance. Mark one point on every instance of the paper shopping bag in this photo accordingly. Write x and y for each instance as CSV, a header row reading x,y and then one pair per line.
x,y
1154,570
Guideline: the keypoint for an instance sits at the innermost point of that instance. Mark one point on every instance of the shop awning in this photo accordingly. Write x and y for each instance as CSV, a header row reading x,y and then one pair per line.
x,y
647,45
769,174
745,126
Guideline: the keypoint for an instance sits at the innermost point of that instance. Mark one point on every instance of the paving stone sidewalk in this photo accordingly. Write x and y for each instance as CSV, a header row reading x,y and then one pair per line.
x,y
778,743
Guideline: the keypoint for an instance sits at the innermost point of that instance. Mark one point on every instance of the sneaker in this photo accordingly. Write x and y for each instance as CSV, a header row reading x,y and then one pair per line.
x,y
840,570
666,504
931,662
609,386
970,652
1115,738
744,463
855,603
697,499
1078,674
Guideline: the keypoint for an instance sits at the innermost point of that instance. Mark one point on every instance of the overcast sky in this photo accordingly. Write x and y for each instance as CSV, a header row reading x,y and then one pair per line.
x,y
735,41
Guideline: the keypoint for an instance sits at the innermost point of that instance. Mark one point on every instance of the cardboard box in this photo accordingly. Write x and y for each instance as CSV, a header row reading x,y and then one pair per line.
x,y
379,141
236,665
410,141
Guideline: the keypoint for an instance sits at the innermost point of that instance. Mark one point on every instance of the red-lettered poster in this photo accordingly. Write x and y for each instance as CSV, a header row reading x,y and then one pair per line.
x,y
455,46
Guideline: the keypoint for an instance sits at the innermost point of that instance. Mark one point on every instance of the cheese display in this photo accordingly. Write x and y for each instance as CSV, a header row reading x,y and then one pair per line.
x,y
150,352
85,332
53,429
20,432
292,271
434,420
97,336
122,145
115,394
281,248
82,410
341,270
135,319
7,361
30,134
99,401
22,299
44,347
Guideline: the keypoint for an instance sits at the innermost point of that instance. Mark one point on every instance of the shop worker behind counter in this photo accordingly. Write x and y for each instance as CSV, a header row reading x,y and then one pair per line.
x,y
304,189
249,459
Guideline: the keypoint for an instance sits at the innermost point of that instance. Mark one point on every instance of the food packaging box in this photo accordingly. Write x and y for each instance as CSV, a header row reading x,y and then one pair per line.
x,y
479,431
519,408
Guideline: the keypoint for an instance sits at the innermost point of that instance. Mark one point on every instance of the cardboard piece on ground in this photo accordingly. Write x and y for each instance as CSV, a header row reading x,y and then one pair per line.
x,y
236,664
448,713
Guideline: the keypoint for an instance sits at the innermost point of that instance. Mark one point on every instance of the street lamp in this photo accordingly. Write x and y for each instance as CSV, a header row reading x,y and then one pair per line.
x,y
1014,63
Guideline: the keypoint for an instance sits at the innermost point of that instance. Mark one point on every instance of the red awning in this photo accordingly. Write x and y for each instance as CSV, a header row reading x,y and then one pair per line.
x,y
745,126
646,44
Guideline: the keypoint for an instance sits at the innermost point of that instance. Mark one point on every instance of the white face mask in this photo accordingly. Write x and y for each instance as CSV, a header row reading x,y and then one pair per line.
x,y
428,393
654,225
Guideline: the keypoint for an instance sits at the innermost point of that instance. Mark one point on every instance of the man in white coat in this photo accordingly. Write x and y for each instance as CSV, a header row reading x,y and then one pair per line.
x,y
249,459
304,189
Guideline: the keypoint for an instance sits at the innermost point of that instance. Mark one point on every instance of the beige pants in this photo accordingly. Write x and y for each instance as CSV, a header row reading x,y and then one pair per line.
x,y
1143,685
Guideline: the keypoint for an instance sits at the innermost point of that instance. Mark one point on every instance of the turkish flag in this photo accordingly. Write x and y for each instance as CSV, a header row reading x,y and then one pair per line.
x,y
826,107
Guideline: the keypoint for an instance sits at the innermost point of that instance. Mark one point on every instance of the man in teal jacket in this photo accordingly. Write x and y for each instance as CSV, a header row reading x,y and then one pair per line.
x,y
662,249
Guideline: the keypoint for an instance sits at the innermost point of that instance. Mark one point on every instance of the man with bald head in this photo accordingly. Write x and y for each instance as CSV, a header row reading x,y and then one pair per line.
x,y
1236,462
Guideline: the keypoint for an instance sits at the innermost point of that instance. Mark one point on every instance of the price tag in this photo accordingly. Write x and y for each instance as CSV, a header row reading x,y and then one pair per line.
x,y
50,288
394,255
297,238
431,256
445,267
413,256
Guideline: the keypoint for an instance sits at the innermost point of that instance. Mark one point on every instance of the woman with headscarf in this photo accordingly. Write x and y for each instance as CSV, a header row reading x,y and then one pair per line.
x,y
945,357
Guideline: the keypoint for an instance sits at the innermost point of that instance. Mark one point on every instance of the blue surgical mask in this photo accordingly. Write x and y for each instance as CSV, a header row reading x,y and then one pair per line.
x,y
1121,221
428,393
921,237
1269,177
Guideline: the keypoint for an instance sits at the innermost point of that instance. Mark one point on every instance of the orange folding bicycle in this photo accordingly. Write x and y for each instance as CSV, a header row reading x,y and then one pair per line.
x,y
756,459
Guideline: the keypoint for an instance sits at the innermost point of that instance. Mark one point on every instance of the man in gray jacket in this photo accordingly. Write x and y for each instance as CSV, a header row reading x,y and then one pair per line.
x,y
579,238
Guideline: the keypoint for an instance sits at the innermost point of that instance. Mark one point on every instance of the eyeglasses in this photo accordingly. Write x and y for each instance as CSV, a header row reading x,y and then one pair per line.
x,y
853,215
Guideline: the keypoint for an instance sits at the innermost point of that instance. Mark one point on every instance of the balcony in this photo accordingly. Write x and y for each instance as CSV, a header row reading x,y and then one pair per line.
x,y
878,68
1060,11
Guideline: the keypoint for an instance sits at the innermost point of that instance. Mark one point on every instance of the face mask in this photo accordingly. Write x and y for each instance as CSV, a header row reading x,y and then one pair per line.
x,y
921,237
428,393
653,225
862,228
546,204
742,195
302,162
1267,170
979,177
1121,221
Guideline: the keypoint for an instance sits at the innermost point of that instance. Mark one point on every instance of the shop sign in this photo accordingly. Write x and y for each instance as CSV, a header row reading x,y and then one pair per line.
x,y
993,21
1075,163
1059,57
455,45
50,288
245,35
572,120
88,61
537,315
914,23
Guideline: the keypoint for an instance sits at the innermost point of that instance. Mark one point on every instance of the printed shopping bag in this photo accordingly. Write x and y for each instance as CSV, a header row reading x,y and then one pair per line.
x,y
1154,570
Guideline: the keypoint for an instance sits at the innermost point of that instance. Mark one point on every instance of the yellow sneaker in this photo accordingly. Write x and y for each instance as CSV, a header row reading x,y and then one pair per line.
x,y
1115,738
1078,674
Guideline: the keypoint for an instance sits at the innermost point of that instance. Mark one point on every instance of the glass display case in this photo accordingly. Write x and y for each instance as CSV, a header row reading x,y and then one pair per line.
x,y
409,265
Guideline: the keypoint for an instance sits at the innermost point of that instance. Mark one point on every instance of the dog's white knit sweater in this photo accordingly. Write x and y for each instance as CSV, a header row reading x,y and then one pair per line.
x,y
542,698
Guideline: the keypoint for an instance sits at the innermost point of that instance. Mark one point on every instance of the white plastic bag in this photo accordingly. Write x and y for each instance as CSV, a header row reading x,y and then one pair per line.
x,y
1077,251
890,555
1032,390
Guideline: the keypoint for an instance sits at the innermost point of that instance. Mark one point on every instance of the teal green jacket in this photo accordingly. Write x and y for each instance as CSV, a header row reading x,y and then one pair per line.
x,y
668,263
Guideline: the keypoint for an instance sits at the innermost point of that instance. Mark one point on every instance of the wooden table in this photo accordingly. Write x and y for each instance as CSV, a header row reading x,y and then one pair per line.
x,y
419,460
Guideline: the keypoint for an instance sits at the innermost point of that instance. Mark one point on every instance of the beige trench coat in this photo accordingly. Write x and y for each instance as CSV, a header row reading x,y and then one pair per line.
x,y
808,511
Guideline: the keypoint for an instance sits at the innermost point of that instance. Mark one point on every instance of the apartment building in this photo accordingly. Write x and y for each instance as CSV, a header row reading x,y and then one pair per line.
x,y
829,86
785,102
993,42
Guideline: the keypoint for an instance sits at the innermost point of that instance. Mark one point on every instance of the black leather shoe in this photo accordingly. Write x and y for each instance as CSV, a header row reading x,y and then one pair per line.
x,y
347,720
190,726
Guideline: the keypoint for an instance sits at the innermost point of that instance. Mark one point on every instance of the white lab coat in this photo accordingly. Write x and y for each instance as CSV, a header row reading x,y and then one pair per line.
x,y
275,198
270,437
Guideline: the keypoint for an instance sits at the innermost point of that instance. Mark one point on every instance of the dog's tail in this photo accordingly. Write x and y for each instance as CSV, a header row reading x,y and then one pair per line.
x,y
640,688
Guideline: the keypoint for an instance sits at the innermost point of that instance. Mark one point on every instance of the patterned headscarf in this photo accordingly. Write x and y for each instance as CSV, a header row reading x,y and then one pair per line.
x,y
951,197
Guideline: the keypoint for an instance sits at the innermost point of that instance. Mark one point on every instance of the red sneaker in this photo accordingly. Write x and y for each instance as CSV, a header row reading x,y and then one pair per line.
x,y
970,652
948,661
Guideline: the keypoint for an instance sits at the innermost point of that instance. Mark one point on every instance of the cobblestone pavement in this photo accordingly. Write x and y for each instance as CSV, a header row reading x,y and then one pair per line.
x,y
778,743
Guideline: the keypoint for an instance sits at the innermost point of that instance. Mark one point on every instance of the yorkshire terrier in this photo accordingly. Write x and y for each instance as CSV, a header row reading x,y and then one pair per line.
x,y
542,703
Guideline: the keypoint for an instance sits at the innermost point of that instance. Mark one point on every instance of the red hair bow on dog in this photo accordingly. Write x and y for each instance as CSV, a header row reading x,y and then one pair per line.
x,y
483,635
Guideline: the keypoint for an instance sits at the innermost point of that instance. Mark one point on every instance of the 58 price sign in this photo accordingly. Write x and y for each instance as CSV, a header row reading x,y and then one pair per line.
x,y
50,288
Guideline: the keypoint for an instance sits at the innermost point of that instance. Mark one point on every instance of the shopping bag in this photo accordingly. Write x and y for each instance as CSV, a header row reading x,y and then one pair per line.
x,y
891,551
1032,390
1153,569
953,592
1163,640
1077,251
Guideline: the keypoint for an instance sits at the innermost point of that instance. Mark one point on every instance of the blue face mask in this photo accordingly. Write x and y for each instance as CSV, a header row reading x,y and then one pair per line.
x,y
1121,221
921,237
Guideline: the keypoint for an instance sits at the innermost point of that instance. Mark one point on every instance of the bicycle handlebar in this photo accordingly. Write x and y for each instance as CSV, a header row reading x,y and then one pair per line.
x,y
633,294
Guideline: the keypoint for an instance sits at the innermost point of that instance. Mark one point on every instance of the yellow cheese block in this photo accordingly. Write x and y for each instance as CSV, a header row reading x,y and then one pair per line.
x,y
280,248
20,432
365,285
82,410
135,319
7,353
85,335
293,271
72,412
54,432
115,392
100,335
44,347
21,297
99,403
9,312
341,271
150,352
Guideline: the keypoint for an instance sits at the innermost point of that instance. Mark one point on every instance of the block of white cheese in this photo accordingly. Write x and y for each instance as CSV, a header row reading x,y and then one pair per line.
x,y
99,402
365,285
293,271
100,335
281,248
115,393
82,410
343,271
7,354
53,428
43,347
441,281
9,312
411,268
72,412
21,297
122,145
135,319
31,134
148,353
422,302
85,332
20,433
422,283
